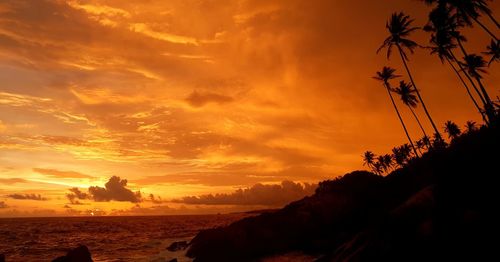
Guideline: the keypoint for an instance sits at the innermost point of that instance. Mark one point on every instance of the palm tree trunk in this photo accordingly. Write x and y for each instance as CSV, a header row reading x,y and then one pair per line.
x,y
468,90
418,93
485,28
461,45
492,18
488,105
418,121
401,119
490,110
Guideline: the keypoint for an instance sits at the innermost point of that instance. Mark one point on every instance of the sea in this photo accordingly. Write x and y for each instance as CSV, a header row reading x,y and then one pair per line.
x,y
109,239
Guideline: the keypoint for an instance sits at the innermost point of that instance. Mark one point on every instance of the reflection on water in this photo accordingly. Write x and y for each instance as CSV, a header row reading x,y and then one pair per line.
x,y
108,238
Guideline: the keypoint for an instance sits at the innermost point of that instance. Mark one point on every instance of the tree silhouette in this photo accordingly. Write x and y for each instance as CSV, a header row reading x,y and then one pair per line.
x,y
468,11
369,159
475,66
406,93
427,141
472,9
452,130
399,27
401,154
387,160
442,26
438,142
471,126
377,168
384,76
420,145
493,51
383,164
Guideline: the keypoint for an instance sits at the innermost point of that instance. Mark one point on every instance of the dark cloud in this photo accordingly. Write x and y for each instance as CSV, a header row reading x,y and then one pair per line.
x,y
156,199
198,99
37,197
75,195
259,194
3,205
60,174
115,189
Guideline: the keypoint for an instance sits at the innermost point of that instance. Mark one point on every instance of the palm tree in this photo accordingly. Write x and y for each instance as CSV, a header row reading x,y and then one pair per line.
x,y
475,66
427,141
471,126
452,129
444,36
384,76
401,154
384,163
472,9
420,145
444,22
369,159
406,92
438,142
468,11
387,160
377,168
493,51
399,27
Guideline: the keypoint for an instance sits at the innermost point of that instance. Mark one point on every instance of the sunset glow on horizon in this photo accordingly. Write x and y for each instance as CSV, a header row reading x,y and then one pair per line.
x,y
112,107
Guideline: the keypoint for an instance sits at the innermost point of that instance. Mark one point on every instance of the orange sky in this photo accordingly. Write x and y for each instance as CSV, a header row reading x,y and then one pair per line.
x,y
190,97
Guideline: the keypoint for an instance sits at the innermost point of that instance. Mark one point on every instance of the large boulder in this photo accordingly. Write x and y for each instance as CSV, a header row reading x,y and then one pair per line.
x,y
79,254
178,246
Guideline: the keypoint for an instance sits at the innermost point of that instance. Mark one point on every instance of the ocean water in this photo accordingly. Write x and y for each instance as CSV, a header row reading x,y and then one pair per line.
x,y
108,238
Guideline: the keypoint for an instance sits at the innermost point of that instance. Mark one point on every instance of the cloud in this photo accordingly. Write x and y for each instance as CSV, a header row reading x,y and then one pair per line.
x,y
115,189
259,194
75,195
37,197
3,205
197,99
10,181
60,174
156,199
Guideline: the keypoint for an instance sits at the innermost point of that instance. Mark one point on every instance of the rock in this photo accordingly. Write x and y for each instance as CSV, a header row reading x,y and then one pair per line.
x,y
173,260
177,246
79,254
2,258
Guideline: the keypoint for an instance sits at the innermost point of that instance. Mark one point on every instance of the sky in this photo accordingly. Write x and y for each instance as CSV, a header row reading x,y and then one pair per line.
x,y
112,107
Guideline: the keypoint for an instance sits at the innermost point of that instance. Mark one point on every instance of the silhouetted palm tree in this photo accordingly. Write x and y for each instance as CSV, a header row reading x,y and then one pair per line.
x,y
401,154
387,160
377,168
471,126
438,142
427,141
384,163
399,27
475,66
368,159
384,76
493,51
420,145
444,36
472,9
468,11
406,93
452,129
